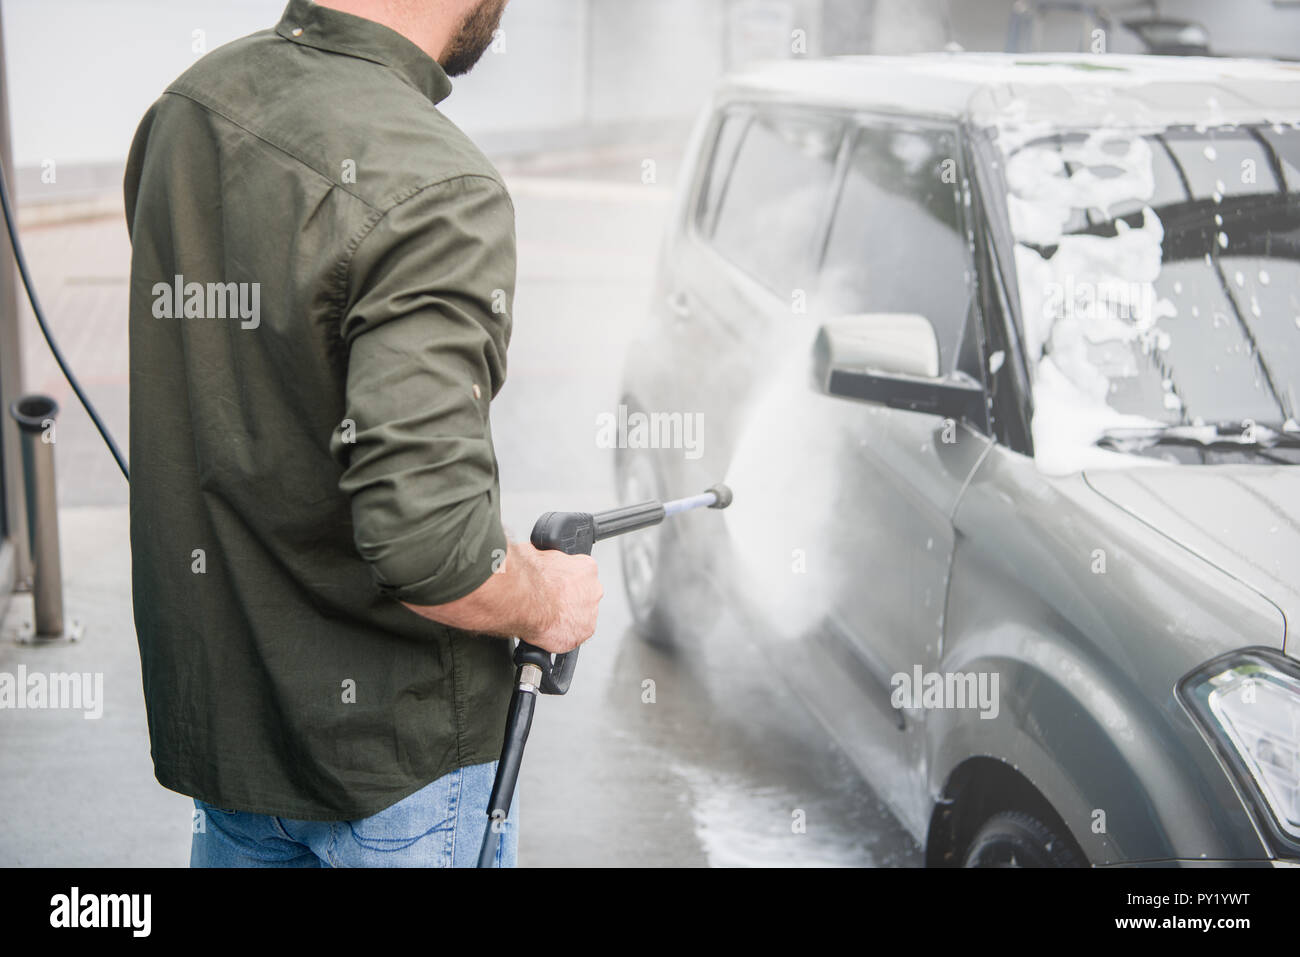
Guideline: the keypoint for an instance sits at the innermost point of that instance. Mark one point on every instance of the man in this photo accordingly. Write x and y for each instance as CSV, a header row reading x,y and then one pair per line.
x,y
322,274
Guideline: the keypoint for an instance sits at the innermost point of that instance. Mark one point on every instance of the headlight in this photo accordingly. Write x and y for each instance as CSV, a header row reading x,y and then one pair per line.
x,y
1249,704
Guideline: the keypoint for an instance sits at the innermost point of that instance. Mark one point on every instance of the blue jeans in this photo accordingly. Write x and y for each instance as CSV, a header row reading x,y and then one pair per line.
x,y
440,825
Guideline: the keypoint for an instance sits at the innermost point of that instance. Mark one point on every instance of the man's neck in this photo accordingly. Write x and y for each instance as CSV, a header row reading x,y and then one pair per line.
x,y
426,25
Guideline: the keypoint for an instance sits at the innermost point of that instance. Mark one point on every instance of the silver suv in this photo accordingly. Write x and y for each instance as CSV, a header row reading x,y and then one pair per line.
x,y
1000,355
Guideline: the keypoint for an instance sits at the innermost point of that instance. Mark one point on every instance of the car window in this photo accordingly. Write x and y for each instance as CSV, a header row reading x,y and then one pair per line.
x,y
896,242
774,199
1284,141
1180,314
729,132
1223,162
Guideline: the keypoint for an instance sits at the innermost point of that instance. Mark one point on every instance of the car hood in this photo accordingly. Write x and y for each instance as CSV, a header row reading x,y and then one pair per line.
x,y
1245,520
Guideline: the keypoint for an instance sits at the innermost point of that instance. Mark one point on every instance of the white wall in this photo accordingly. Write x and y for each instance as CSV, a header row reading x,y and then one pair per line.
x,y
908,26
536,78
81,73
653,58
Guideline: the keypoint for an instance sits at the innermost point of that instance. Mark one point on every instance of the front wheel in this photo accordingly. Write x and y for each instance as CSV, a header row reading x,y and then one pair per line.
x,y
1018,839
641,553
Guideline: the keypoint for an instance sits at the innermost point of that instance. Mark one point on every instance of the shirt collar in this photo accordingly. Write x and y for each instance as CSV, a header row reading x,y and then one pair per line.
x,y
324,28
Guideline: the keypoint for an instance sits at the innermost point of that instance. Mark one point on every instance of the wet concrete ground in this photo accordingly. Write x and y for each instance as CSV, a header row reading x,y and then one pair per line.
x,y
716,770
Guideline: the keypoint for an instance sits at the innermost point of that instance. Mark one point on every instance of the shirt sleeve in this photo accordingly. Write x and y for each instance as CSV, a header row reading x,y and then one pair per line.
x,y
426,329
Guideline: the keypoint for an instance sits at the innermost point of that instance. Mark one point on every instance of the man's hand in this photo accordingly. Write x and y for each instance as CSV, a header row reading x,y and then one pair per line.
x,y
574,591
546,598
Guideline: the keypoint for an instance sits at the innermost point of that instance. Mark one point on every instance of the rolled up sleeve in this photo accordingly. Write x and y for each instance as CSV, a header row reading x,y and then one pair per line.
x,y
430,288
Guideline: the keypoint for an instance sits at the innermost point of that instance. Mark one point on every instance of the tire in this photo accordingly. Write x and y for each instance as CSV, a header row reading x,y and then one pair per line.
x,y
1018,839
642,556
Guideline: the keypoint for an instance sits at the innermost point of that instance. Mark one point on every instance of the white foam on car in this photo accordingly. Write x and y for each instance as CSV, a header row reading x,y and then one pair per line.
x,y
1062,331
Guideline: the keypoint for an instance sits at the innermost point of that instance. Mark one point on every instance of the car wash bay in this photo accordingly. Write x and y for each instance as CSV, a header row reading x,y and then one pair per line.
x,y
711,767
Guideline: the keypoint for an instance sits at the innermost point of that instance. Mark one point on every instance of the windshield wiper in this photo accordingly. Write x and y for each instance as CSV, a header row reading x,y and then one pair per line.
x,y
1220,435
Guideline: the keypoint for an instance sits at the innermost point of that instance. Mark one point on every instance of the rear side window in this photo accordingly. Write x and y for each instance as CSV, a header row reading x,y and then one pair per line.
x,y
773,201
896,242
725,144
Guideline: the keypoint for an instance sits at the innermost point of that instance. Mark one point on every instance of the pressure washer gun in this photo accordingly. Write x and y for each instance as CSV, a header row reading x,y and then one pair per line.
x,y
540,672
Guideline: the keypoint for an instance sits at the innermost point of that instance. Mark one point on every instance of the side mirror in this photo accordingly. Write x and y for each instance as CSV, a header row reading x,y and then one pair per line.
x,y
892,359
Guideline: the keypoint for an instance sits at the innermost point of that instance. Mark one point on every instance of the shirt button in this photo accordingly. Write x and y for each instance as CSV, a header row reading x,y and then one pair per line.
x,y
478,393
297,31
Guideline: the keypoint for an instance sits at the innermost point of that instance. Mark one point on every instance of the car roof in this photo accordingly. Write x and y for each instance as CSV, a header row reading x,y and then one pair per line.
x,y
993,89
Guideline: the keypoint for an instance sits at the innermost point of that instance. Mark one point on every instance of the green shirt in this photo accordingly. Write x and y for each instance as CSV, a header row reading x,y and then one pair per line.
x,y
322,271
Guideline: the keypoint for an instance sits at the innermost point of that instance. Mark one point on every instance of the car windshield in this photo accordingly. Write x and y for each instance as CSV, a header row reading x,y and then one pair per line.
x,y
1159,279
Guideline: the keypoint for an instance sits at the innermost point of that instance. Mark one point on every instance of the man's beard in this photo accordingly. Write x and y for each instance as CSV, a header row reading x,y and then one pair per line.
x,y
473,38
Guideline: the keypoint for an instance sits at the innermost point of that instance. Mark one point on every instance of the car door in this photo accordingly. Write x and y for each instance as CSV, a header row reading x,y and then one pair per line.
x,y
745,250
897,242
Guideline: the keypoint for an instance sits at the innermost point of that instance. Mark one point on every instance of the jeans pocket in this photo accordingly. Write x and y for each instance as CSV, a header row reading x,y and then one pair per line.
x,y
428,813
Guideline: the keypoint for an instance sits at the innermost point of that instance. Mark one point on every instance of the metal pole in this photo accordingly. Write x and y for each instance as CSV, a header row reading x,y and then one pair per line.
x,y
11,375
35,416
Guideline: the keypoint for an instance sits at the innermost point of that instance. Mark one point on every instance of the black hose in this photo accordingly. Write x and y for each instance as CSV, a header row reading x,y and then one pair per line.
x,y
518,722
12,226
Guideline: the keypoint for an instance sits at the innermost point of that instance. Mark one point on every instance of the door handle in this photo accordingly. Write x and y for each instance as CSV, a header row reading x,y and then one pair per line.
x,y
679,305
